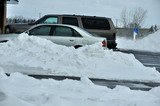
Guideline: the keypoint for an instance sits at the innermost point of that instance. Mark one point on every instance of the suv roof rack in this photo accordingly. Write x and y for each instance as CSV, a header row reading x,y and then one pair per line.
x,y
76,15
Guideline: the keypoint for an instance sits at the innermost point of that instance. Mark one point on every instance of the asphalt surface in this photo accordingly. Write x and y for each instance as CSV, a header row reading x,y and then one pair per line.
x,y
134,85
149,59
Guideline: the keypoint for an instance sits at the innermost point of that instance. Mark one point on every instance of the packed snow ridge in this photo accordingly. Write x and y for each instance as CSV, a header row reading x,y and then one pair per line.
x,y
49,92
149,43
34,55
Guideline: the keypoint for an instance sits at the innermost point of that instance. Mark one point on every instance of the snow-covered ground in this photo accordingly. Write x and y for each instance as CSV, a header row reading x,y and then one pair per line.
x,y
33,55
149,43
21,90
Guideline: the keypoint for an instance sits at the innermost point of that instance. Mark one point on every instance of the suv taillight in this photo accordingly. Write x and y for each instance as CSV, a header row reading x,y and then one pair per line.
x,y
104,43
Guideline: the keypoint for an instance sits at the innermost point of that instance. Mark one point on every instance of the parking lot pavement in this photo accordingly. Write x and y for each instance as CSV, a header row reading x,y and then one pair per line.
x,y
149,59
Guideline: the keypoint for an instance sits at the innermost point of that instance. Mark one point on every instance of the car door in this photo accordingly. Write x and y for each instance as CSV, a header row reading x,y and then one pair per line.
x,y
63,35
42,31
80,40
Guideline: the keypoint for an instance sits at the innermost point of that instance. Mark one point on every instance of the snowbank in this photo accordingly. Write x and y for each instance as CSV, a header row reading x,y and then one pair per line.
x,y
149,43
33,55
14,92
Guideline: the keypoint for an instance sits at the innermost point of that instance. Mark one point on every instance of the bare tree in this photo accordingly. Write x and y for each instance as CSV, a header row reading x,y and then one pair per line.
x,y
125,17
134,18
139,16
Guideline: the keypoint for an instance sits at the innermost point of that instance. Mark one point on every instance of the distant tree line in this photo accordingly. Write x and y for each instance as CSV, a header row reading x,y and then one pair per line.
x,y
19,19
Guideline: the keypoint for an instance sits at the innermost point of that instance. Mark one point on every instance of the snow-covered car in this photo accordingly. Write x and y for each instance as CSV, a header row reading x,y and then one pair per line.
x,y
62,34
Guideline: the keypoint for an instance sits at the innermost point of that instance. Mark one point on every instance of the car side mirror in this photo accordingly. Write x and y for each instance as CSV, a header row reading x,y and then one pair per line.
x,y
27,32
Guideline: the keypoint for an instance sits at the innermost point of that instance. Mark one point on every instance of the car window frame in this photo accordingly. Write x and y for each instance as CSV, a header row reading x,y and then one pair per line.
x,y
106,27
74,32
29,33
72,29
53,32
70,17
44,18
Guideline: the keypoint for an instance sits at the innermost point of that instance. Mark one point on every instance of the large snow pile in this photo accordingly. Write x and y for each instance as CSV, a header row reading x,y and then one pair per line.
x,y
149,43
21,90
33,55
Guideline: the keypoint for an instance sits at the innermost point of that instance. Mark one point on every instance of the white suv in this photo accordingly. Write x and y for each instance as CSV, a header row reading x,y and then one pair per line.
x,y
67,35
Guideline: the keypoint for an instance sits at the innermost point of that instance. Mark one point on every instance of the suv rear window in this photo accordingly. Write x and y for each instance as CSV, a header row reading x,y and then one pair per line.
x,y
92,23
51,20
70,21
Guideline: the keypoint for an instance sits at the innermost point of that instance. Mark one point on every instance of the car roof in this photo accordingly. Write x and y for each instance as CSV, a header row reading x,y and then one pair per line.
x,y
72,26
73,15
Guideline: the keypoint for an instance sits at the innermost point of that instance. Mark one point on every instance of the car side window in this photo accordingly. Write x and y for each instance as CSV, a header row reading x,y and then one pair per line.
x,y
93,23
50,20
63,31
70,21
41,31
76,34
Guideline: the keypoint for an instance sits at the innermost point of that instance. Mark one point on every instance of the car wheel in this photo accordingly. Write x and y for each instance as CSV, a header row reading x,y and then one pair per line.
x,y
4,41
7,30
77,46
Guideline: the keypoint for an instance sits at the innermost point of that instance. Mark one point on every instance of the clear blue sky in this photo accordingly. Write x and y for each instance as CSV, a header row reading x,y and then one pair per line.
x,y
108,8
